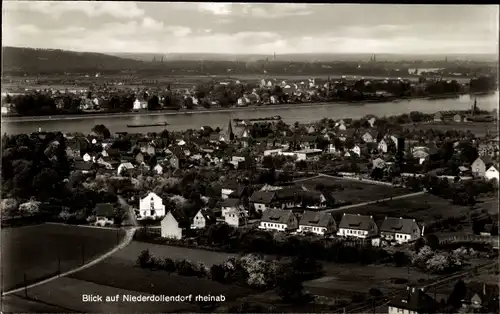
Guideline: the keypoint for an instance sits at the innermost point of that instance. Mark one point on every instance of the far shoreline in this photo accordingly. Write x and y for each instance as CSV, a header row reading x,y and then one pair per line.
x,y
167,112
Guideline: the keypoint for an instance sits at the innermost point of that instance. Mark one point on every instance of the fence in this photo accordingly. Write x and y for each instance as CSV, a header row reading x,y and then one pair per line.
x,y
471,238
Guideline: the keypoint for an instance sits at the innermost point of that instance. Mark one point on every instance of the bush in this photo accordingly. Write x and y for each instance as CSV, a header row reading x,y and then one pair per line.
x,y
358,297
218,273
401,259
169,265
144,259
185,268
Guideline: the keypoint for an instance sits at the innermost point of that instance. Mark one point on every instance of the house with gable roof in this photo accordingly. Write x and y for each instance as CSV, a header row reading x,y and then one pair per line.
x,y
278,220
481,297
414,301
317,222
263,200
151,206
358,226
400,230
174,225
202,219
104,214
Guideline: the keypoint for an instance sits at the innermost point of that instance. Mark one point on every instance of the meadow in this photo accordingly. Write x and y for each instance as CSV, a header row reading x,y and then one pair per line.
x,y
33,253
354,191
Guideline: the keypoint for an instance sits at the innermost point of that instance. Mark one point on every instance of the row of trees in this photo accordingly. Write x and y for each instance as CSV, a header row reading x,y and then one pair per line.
x,y
248,270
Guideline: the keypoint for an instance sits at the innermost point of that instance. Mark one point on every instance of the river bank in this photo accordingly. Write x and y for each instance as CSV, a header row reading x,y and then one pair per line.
x,y
170,112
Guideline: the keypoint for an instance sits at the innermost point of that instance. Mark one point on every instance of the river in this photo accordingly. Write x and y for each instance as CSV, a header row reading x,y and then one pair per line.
x,y
304,113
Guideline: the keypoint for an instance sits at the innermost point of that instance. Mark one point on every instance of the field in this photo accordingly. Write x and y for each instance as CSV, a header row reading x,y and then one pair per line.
x,y
424,208
129,254
355,191
116,275
40,251
480,129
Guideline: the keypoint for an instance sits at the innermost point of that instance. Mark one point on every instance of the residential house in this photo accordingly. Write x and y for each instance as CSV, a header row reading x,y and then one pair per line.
x,y
343,135
178,159
263,200
383,146
84,167
492,173
356,149
289,197
274,151
341,126
370,136
237,191
158,169
89,157
438,117
357,226
458,118
317,222
104,214
378,163
173,225
480,165
236,217
400,230
151,206
481,297
124,166
415,301
279,220
202,219
231,204
308,154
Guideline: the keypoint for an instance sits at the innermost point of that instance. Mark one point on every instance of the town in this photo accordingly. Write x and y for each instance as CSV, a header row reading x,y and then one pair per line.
x,y
375,190
198,157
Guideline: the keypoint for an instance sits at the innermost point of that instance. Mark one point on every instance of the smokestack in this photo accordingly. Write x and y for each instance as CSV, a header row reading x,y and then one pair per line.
x,y
413,290
484,289
423,229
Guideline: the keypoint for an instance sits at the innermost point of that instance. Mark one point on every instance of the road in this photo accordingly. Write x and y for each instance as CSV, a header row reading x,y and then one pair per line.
x,y
131,217
372,202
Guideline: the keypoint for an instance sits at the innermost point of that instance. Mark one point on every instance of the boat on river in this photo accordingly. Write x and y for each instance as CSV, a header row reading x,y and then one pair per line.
x,y
146,125
273,118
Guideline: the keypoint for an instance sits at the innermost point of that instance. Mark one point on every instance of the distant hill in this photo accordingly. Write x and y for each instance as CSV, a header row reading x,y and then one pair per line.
x,y
305,57
40,61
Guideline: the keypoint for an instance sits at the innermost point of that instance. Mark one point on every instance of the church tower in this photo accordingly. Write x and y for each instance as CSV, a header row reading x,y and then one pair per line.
x,y
230,133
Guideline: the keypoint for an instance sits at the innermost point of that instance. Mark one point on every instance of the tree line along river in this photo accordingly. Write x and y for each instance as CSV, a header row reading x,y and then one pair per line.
x,y
303,113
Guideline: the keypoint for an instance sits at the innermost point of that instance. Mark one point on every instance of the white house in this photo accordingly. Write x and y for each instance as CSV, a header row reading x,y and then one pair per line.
x,y
124,166
230,204
357,150
202,219
151,206
357,226
158,169
492,173
400,230
279,220
236,217
137,105
306,154
382,146
318,223
172,226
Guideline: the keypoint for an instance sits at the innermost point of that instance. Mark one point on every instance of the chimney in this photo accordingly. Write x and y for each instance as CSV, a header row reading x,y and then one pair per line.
x,y
423,229
484,289
413,290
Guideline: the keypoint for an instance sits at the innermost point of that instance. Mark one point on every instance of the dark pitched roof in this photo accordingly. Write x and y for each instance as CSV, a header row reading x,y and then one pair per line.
x,y
230,202
276,216
360,222
288,193
104,209
262,197
184,222
82,165
399,225
315,219
416,300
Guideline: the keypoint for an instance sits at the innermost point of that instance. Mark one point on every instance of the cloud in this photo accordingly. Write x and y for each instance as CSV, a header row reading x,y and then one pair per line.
x,y
216,8
270,11
28,29
119,10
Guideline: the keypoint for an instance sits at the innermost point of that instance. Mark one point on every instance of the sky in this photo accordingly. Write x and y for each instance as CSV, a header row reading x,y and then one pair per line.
x,y
246,28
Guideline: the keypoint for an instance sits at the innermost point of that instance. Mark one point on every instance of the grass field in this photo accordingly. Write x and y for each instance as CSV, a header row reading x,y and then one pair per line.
x,y
354,191
40,251
424,208
129,254
346,280
480,129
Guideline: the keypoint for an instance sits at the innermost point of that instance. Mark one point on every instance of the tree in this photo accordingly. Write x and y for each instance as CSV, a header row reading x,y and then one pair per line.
x,y
144,259
153,103
437,263
289,286
432,241
101,130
